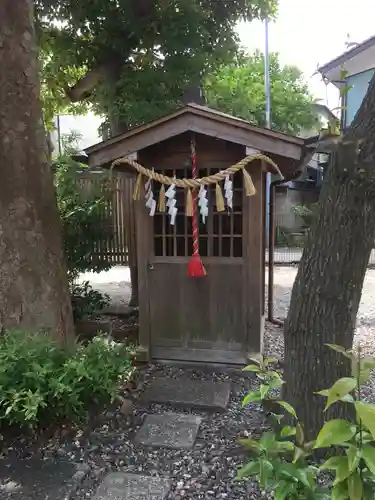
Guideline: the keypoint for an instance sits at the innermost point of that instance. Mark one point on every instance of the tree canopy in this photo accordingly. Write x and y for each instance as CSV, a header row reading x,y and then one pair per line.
x,y
96,47
237,88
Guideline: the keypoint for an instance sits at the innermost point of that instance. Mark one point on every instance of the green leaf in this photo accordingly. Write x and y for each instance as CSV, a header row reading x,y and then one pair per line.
x,y
342,472
287,431
333,463
284,490
348,398
340,388
368,455
304,476
250,469
250,444
264,390
343,73
353,457
265,473
251,368
345,89
268,360
355,487
340,492
300,436
252,397
284,446
340,349
268,440
298,454
363,437
276,383
367,363
366,412
289,408
323,392
258,360
309,446
364,376
335,431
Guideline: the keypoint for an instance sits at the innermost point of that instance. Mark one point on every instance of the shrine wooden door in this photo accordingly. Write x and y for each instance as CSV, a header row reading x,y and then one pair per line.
x,y
198,319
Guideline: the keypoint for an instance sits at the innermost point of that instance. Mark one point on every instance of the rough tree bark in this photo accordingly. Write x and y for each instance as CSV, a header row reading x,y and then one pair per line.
x,y
328,286
34,291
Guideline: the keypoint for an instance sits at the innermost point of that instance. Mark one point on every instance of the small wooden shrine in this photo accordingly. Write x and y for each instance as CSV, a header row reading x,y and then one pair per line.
x,y
200,229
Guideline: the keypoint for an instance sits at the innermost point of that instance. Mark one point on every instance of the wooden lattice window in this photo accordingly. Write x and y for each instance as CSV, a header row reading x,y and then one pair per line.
x,y
220,236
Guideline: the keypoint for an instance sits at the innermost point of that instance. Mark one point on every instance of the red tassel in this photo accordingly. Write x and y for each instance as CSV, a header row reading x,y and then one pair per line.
x,y
196,267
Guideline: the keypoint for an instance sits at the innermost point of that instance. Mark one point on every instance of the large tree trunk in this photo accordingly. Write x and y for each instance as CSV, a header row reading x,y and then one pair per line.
x,y
328,286
33,280
130,227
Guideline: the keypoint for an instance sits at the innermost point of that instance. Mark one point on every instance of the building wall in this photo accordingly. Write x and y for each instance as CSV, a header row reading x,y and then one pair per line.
x,y
356,94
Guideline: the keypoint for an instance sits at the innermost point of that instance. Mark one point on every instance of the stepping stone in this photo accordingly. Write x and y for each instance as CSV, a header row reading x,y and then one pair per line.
x,y
169,430
185,392
120,486
36,479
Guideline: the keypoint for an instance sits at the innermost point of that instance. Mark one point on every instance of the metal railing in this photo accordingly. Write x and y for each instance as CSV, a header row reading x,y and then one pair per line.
x,y
289,239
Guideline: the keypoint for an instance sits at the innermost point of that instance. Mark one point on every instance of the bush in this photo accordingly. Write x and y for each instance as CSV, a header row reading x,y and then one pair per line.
x,y
84,217
86,301
43,382
83,210
85,223
284,462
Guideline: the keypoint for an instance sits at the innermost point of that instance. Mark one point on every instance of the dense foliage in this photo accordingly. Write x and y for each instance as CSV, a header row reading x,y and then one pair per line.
x,y
86,301
283,461
137,50
43,382
83,207
84,214
237,88
57,73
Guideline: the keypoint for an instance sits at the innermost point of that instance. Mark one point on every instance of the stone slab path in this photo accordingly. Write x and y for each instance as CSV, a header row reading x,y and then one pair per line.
x,y
120,486
187,392
167,430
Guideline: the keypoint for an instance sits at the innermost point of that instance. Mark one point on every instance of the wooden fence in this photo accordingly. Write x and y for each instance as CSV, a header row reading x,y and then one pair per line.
x,y
114,249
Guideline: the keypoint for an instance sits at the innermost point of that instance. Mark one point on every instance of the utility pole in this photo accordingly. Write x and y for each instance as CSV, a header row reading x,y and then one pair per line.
x,y
267,76
267,88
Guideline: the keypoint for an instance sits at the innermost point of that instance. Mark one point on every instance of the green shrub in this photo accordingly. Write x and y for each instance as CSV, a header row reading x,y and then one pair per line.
x,y
85,224
43,382
84,217
86,301
282,460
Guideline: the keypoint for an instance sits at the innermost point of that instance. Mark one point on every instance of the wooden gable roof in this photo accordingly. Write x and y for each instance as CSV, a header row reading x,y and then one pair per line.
x,y
199,119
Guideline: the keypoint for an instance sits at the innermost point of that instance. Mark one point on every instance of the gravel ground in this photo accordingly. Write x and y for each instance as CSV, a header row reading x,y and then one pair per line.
x,y
365,331
208,471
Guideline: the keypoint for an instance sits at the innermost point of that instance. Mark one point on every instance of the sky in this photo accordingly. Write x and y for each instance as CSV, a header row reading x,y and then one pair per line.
x,y
307,33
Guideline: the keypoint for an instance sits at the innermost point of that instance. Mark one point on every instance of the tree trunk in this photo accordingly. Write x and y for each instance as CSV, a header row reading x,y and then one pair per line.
x,y
328,286
33,280
130,227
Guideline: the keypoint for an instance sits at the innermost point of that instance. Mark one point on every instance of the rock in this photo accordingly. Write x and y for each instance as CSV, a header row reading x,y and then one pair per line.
x,y
126,408
243,434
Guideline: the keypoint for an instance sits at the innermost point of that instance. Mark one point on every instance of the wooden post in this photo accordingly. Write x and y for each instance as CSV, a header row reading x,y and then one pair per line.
x,y
253,207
